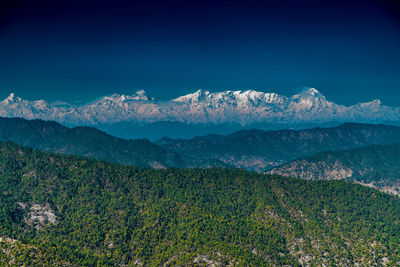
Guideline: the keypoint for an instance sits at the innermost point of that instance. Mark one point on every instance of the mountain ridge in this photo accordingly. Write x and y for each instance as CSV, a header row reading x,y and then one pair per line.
x,y
251,149
260,150
93,143
202,107
377,166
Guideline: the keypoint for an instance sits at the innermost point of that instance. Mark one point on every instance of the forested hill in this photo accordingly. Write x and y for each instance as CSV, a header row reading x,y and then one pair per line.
x,y
72,211
259,150
251,149
92,143
377,166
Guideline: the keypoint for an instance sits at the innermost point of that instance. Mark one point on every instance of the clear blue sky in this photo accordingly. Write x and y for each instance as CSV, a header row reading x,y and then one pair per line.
x,y
78,50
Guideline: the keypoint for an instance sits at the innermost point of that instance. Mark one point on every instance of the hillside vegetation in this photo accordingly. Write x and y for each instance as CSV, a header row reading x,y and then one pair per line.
x,y
376,166
71,211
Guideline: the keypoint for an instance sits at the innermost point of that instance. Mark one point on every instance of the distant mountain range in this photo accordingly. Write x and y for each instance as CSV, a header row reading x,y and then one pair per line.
x,y
250,149
90,142
376,166
242,108
259,150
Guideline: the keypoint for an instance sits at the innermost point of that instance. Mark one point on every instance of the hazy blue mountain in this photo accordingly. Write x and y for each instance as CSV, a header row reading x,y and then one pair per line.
x,y
92,143
157,130
260,150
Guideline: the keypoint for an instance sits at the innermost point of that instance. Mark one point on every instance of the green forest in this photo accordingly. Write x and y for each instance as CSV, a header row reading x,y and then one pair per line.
x,y
71,211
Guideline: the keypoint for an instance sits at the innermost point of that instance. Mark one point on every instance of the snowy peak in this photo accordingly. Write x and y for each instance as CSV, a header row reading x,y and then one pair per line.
x,y
140,95
12,99
310,99
203,107
376,102
117,98
310,94
313,91
256,98
250,97
197,96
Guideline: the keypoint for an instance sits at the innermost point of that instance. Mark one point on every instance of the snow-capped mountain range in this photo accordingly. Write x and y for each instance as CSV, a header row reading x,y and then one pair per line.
x,y
203,107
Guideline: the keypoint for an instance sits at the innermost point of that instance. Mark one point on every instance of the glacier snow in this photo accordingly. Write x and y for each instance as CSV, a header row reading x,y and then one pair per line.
x,y
203,107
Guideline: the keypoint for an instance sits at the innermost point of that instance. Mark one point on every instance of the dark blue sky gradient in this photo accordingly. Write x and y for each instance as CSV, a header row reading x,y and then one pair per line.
x,y
79,50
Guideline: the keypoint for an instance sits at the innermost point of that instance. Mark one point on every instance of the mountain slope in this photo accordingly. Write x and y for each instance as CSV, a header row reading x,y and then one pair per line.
x,y
377,166
242,108
92,143
259,150
62,210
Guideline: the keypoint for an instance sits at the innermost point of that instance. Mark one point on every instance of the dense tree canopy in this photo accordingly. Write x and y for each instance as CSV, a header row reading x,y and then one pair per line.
x,y
108,214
